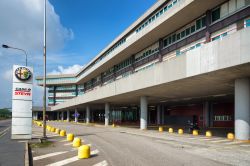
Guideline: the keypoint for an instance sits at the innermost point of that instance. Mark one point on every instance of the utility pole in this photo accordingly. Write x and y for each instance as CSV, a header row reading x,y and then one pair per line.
x,y
44,72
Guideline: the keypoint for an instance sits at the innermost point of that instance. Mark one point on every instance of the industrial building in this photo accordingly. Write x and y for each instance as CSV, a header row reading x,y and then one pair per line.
x,y
181,61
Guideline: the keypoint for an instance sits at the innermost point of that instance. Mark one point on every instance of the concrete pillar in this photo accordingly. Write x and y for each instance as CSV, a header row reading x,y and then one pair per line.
x,y
144,112
76,117
62,116
242,109
158,114
107,109
68,113
206,117
87,114
162,115
57,116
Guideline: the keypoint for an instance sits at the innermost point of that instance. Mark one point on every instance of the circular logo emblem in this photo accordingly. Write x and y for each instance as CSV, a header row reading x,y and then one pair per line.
x,y
23,73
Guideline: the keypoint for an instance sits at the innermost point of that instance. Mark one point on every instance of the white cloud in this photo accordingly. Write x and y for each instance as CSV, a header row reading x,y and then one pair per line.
x,y
21,25
69,70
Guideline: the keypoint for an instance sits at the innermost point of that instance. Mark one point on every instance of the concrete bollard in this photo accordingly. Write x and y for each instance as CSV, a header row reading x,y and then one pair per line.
x,y
161,129
70,137
180,131
57,131
62,133
84,152
195,132
170,130
77,142
208,134
230,136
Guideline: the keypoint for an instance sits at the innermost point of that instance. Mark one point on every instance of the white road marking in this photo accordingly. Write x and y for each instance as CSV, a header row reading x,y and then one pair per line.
x,y
220,141
68,144
4,132
102,163
233,143
245,145
94,152
48,155
63,141
64,162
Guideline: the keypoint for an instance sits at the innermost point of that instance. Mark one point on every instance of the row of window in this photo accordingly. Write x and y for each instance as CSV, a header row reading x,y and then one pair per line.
x,y
147,53
178,52
124,64
195,26
222,118
219,36
157,15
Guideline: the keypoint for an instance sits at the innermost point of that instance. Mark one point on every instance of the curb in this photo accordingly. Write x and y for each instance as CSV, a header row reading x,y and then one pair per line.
x,y
26,155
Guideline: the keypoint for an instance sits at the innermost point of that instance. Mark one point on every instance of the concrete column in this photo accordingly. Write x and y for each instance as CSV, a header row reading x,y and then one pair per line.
x,y
107,109
57,116
242,109
62,116
144,112
158,114
76,117
206,117
87,114
68,113
162,115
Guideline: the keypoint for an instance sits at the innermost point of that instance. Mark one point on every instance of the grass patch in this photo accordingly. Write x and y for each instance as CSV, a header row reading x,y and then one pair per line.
x,y
44,144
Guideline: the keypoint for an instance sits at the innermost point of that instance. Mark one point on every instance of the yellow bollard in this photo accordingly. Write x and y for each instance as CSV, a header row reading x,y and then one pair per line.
x,y
57,131
52,129
62,133
70,137
113,125
77,142
195,132
208,134
180,131
230,136
161,129
170,130
84,152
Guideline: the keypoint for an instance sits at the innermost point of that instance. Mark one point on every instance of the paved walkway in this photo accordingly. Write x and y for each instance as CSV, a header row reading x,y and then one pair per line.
x,y
123,146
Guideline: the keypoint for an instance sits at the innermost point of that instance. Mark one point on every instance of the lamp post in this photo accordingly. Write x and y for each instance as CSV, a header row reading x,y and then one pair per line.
x,y
44,77
6,46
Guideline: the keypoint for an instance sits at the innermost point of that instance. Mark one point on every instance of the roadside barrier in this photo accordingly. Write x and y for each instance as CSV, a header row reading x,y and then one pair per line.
x,y
70,137
195,132
62,133
77,142
208,134
230,136
180,131
161,129
84,152
170,130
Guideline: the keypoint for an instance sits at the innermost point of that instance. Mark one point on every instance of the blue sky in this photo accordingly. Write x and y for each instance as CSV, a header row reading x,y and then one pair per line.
x,y
77,30
96,23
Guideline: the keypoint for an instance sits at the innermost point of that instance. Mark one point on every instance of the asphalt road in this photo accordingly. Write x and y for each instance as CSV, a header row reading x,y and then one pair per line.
x,y
118,148
11,151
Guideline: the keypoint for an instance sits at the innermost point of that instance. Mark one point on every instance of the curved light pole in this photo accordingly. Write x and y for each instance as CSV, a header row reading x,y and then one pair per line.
x,y
6,46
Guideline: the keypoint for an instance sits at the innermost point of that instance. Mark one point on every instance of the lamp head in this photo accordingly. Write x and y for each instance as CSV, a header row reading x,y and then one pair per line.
x,y
5,46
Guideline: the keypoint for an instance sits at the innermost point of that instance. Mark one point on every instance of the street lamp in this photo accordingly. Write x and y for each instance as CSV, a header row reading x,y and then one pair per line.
x,y
6,46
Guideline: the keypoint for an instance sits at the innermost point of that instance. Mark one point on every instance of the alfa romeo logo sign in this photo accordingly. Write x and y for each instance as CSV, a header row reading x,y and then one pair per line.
x,y
23,73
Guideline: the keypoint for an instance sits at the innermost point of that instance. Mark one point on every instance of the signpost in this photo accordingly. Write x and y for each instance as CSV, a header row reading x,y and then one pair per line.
x,y
22,102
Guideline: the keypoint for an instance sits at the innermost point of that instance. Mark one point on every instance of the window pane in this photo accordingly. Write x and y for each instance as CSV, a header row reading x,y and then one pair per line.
x,y
198,24
193,29
182,34
203,22
174,38
187,31
178,36
216,14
